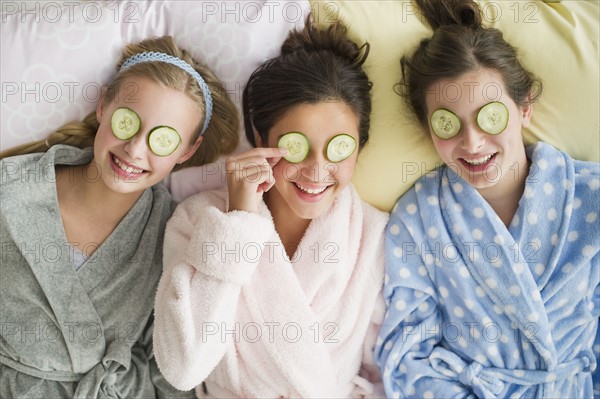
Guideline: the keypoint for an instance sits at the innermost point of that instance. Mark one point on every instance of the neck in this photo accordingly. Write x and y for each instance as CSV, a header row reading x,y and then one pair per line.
x,y
289,226
83,183
505,195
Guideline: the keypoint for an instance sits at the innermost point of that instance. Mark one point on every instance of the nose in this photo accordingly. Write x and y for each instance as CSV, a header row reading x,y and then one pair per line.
x,y
316,167
136,146
472,139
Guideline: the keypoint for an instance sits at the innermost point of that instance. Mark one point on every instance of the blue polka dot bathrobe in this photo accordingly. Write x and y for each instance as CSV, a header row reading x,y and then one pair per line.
x,y
478,309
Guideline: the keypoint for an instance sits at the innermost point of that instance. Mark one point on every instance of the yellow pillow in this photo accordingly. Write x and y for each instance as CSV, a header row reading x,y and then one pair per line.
x,y
558,41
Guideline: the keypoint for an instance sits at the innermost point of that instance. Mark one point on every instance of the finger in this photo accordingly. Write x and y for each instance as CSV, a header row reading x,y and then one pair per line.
x,y
268,183
265,152
252,176
273,160
266,186
236,165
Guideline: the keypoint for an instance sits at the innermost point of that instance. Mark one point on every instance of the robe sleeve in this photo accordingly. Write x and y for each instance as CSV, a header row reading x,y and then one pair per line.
x,y
596,346
596,373
368,369
411,329
207,260
368,383
162,388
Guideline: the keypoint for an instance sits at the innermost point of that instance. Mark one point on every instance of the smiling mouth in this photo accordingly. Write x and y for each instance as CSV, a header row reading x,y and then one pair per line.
x,y
311,191
126,168
479,161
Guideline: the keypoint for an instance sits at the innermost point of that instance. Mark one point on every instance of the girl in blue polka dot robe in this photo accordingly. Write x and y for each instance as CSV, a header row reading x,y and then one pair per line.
x,y
492,261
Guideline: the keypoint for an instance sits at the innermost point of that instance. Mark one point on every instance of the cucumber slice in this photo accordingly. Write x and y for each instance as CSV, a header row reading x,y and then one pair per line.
x,y
163,140
125,123
297,145
444,124
340,147
492,118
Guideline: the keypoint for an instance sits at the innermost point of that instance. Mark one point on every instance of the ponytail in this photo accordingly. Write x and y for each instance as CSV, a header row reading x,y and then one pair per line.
x,y
450,12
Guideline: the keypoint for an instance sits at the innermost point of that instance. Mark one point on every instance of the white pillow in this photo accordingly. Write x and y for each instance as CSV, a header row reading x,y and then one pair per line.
x,y
55,56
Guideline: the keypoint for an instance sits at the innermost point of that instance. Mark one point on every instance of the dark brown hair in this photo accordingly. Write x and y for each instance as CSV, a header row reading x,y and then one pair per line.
x,y
315,65
461,44
221,136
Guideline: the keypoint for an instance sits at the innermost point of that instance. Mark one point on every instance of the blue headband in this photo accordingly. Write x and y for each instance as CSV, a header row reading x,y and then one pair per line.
x,y
169,59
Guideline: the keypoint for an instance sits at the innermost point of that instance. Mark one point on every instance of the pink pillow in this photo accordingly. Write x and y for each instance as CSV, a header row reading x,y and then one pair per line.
x,y
56,56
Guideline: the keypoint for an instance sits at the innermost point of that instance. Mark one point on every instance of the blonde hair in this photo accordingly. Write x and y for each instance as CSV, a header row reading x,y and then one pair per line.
x,y
221,136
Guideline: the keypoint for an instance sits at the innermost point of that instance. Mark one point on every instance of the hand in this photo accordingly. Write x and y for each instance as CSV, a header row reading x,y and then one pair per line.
x,y
249,175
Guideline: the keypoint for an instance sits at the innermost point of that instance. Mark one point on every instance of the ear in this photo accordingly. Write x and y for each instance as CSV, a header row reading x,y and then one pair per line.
x,y
192,150
526,111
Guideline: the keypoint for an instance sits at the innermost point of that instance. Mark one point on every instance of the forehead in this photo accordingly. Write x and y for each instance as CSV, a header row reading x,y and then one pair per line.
x,y
476,87
317,121
142,91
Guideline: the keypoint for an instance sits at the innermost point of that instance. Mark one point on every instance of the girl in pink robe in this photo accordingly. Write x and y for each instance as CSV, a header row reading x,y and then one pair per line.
x,y
272,288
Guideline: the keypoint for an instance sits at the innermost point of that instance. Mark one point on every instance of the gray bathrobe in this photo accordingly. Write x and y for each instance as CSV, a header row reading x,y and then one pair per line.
x,y
67,333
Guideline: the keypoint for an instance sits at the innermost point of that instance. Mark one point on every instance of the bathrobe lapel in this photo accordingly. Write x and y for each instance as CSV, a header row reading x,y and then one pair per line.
x,y
111,254
50,260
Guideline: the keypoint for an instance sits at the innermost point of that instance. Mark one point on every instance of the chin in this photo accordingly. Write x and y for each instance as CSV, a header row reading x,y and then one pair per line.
x,y
482,183
126,187
310,214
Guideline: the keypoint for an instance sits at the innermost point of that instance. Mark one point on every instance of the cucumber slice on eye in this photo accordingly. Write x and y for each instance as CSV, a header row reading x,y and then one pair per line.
x,y
163,140
492,118
444,124
125,123
297,145
340,147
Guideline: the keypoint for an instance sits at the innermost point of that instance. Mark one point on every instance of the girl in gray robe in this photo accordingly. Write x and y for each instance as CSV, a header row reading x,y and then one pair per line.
x,y
82,220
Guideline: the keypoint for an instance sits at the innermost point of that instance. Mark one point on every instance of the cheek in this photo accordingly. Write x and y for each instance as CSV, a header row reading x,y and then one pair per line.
x,y
162,165
444,148
286,171
105,138
516,135
342,172
510,138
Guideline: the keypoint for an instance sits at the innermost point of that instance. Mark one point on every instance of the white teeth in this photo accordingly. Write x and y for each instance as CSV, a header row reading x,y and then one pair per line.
x,y
479,161
126,168
311,190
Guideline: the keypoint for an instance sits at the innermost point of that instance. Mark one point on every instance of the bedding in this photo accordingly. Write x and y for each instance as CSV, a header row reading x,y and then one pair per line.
x,y
56,55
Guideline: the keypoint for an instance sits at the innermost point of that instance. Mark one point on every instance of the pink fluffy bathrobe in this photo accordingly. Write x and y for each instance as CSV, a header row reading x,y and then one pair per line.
x,y
233,311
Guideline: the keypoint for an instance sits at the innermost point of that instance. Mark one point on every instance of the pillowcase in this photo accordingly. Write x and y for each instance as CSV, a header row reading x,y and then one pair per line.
x,y
558,41
56,56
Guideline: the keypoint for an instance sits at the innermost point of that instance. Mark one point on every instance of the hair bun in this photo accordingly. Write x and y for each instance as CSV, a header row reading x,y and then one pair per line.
x,y
333,39
450,12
